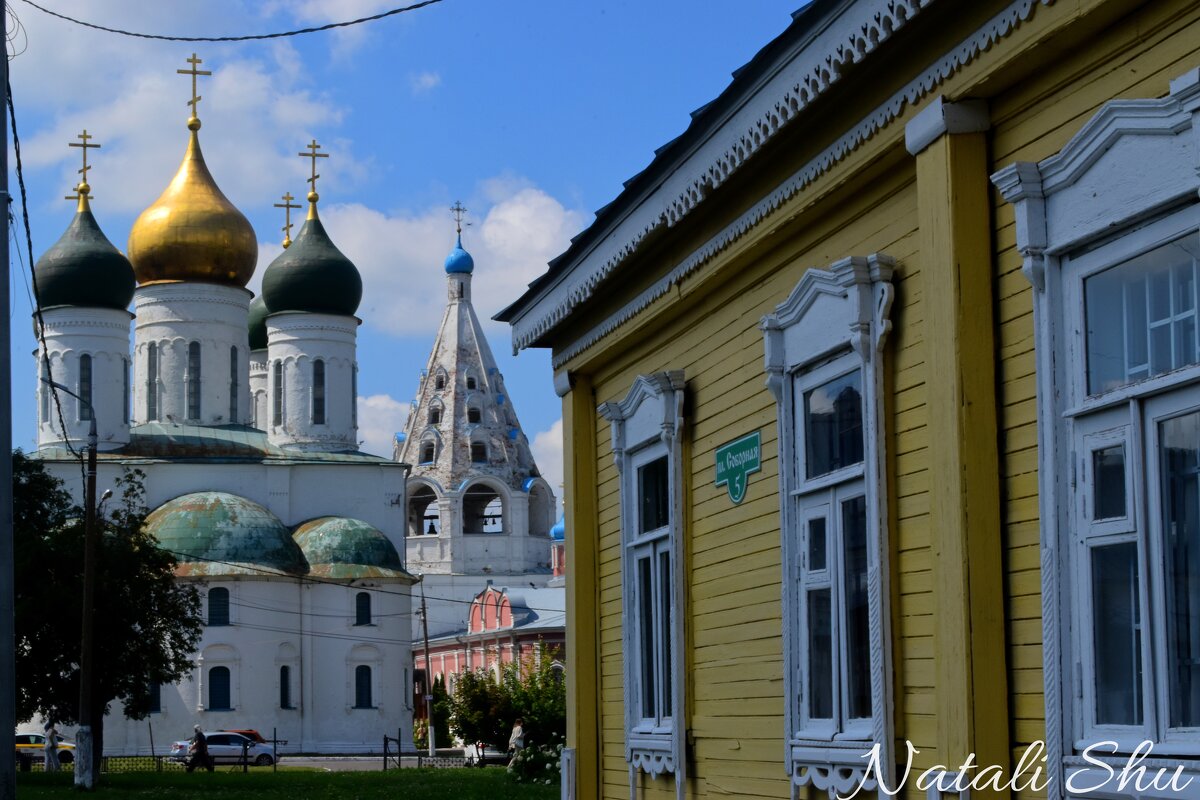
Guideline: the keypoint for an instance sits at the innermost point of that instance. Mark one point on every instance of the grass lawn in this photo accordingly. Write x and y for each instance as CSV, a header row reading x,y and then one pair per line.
x,y
411,784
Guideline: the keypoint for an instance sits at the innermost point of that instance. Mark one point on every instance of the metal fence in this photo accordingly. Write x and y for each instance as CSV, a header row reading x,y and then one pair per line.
x,y
394,758
109,764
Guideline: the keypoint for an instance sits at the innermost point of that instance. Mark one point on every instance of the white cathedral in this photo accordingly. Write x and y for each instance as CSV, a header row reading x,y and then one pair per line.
x,y
241,412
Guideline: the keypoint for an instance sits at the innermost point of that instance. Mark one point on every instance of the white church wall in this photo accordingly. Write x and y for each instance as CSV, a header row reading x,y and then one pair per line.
x,y
258,389
298,341
172,316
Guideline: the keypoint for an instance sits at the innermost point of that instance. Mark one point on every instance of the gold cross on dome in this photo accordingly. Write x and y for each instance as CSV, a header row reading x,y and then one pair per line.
x,y
459,212
194,72
287,205
84,144
312,153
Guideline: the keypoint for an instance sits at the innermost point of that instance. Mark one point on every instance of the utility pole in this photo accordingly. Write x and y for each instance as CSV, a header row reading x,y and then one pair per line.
x,y
86,762
8,634
428,676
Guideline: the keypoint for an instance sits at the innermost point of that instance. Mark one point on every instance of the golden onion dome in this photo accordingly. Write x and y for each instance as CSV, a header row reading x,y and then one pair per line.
x,y
192,232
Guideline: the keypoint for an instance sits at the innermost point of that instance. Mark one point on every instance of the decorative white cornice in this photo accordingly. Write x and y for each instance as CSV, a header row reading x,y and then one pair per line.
x,y
577,285
940,118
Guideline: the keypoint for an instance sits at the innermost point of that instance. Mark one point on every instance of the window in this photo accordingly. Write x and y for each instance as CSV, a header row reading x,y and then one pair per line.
x,y
483,510
473,414
233,385
479,453
153,698
1111,249
277,388
318,392
44,393
435,415
824,354
646,430
428,451
219,694
471,385
85,387
362,608
439,383
218,606
193,381
125,390
151,382
285,686
423,518
354,397
362,686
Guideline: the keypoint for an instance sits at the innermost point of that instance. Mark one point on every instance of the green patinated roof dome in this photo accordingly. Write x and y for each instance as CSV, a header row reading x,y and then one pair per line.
x,y
340,547
258,323
84,269
312,275
215,533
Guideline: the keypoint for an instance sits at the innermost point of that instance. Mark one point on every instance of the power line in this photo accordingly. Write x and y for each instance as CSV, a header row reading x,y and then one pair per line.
x,y
245,38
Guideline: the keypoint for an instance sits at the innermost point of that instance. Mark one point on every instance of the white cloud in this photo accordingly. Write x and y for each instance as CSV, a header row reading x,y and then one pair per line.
x,y
400,256
380,418
424,82
547,447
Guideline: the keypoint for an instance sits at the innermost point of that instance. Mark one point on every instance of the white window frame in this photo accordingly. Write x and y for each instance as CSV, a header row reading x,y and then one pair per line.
x,y
647,425
833,323
1079,212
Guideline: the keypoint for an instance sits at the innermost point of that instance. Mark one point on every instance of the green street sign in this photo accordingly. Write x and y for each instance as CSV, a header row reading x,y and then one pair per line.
x,y
736,461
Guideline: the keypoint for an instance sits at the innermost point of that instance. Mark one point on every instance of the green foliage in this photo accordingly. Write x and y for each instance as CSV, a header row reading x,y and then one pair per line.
x,y
441,712
537,694
146,623
480,710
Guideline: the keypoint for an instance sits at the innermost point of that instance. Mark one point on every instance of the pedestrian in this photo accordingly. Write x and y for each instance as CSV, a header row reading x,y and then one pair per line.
x,y
198,751
50,751
516,742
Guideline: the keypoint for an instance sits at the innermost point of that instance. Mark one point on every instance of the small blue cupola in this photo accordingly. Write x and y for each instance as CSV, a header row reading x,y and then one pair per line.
x,y
459,262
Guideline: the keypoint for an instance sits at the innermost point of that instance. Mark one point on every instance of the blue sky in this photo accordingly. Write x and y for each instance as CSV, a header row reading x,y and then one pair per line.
x,y
532,112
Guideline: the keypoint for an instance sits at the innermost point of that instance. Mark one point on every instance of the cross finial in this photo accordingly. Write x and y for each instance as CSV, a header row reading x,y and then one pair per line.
x,y
312,154
194,120
287,205
459,212
82,188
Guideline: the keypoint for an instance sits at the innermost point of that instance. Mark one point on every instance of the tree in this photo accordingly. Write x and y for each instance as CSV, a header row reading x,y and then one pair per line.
x,y
480,711
441,712
146,624
537,694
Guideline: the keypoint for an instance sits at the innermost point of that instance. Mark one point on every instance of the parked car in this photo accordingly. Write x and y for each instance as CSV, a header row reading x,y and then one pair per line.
x,y
225,747
32,744
249,733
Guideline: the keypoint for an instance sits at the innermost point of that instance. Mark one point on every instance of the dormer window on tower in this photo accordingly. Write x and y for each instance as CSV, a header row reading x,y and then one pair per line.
x,y
435,415
439,382
472,384
479,452
474,414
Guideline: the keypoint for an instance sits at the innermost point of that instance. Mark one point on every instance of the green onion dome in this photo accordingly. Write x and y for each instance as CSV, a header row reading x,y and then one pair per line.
x,y
258,324
83,268
216,533
312,275
340,547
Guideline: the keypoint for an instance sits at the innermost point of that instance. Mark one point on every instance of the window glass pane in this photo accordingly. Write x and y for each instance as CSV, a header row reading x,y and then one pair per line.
x,y
858,624
664,627
362,609
318,392
152,382
1108,467
1141,316
645,602
362,686
833,425
285,686
85,387
1117,634
1180,439
652,489
820,655
233,384
817,545
277,389
218,606
193,381
218,689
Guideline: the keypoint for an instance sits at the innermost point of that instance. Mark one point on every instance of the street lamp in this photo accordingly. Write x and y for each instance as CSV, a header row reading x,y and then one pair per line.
x,y
84,776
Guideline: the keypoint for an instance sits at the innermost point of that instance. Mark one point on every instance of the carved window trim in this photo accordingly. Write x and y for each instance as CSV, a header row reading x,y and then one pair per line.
x,y
646,425
834,322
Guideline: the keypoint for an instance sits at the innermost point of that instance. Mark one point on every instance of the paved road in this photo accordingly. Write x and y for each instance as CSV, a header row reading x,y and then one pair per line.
x,y
342,763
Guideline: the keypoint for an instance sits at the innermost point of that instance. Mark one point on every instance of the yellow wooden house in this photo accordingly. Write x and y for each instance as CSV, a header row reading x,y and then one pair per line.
x,y
880,390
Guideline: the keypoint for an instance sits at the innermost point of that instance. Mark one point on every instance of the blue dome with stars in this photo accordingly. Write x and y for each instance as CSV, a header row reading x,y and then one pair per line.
x,y
459,262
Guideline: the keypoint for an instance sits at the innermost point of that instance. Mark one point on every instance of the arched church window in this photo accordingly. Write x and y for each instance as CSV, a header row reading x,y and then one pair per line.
x,y
362,608
219,694
479,453
318,392
471,383
423,517
435,415
285,686
218,606
151,382
193,381
428,451
277,390
439,383
474,414
362,686
85,387
233,385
